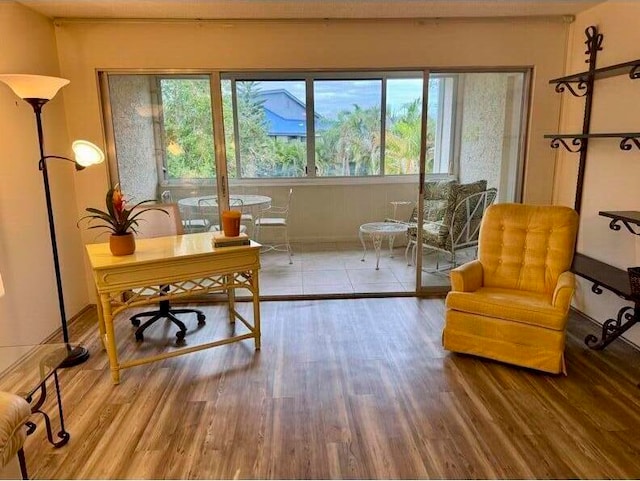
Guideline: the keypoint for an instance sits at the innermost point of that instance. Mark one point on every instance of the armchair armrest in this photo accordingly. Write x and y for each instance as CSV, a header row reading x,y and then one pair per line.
x,y
14,412
467,277
564,290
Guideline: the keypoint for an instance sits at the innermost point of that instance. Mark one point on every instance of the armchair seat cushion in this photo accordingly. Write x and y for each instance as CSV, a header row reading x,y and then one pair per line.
x,y
431,233
526,307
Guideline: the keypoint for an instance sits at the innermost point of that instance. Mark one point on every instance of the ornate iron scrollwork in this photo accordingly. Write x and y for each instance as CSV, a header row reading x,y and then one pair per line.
x,y
634,73
613,328
615,225
593,42
581,89
596,289
626,143
62,435
577,144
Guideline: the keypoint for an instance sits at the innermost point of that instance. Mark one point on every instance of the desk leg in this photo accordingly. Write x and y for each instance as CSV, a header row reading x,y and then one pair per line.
x,y
110,338
231,296
255,284
101,327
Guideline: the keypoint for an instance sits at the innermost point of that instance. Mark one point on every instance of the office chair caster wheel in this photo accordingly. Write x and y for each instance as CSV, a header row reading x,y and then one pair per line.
x,y
201,318
139,337
180,338
135,322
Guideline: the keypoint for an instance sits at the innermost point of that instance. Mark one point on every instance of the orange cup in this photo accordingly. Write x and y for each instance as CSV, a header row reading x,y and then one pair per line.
x,y
231,223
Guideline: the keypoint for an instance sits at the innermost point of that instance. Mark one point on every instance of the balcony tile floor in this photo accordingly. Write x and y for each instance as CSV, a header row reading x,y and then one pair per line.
x,y
337,268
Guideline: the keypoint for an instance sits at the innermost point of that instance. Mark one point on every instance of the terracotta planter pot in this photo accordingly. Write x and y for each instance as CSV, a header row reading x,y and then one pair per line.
x,y
122,245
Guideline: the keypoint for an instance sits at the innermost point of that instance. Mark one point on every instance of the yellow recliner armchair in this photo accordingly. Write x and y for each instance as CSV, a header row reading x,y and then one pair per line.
x,y
512,303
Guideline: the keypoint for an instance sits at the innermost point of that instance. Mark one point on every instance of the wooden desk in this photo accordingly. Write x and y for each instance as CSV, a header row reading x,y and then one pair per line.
x,y
190,266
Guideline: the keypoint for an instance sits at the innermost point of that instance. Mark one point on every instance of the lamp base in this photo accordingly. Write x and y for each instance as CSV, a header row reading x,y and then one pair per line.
x,y
77,355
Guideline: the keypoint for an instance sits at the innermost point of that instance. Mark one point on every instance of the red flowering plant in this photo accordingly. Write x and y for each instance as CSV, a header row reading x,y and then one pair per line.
x,y
117,218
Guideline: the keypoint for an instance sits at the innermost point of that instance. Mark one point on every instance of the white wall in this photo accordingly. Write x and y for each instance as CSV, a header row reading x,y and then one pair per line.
x,y
29,311
611,176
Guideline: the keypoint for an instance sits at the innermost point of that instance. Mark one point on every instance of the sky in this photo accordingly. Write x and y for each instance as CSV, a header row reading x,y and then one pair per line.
x,y
333,96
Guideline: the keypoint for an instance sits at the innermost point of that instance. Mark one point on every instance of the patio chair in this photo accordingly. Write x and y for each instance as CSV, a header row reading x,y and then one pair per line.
x,y
189,223
208,207
266,219
459,226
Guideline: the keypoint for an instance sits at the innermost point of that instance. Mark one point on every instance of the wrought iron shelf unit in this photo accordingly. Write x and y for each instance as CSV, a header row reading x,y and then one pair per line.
x,y
631,68
601,274
615,280
582,85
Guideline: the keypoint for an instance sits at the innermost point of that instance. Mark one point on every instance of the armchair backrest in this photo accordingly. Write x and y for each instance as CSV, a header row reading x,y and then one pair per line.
x,y
526,247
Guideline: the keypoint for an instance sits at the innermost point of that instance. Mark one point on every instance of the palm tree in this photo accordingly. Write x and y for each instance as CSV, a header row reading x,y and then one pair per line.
x,y
404,132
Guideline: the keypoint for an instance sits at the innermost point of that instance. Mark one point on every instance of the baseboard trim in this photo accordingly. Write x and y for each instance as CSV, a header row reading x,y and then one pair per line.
x,y
55,335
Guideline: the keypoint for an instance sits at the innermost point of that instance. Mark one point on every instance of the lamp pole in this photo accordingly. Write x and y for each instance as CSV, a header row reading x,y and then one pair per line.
x,y
37,90
79,354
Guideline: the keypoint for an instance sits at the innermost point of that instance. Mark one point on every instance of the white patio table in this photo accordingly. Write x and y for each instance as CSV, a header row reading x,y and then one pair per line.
x,y
377,231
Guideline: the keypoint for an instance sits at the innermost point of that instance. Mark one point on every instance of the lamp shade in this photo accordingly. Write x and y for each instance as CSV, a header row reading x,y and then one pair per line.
x,y
28,86
86,153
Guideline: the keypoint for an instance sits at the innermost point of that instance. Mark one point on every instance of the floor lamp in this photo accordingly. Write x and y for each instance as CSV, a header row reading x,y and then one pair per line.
x,y
37,90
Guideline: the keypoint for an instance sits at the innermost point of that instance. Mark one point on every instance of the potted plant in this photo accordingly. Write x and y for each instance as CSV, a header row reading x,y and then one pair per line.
x,y
119,220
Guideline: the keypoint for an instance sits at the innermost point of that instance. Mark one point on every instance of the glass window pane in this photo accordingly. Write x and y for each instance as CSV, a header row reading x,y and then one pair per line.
x,y
347,124
187,128
272,128
403,126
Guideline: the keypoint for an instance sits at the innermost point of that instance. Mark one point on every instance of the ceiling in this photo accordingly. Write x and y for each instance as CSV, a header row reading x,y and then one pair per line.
x,y
302,9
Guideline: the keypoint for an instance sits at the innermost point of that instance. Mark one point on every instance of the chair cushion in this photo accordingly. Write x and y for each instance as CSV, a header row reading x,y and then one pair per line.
x,y
437,197
445,196
462,191
527,307
271,221
14,412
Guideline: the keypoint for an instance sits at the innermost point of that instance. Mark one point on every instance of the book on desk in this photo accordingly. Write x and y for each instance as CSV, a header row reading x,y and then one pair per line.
x,y
220,240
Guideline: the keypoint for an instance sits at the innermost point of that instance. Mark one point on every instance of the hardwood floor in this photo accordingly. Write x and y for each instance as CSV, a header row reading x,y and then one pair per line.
x,y
344,389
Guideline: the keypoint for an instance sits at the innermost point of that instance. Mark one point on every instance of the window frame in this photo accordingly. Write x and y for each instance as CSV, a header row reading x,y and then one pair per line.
x,y
102,78
354,75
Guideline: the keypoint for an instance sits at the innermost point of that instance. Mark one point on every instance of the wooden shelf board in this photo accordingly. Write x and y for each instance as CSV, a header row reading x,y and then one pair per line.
x,y
632,216
594,135
605,275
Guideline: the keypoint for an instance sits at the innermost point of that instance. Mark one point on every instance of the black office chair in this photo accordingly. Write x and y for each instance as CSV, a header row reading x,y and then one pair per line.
x,y
153,223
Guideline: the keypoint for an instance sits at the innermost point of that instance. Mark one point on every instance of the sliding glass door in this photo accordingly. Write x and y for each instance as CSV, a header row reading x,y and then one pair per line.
x,y
482,117
355,148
